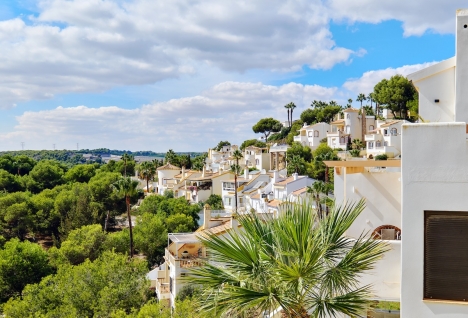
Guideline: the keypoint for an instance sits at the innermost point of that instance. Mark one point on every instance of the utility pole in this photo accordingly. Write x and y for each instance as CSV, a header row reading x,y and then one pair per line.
x,y
22,145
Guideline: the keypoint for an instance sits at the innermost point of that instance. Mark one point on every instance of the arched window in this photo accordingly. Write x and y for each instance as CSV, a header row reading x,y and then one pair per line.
x,y
385,143
316,133
378,144
393,131
387,232
348,129
342,140
371,127
370,145
347,116
257,162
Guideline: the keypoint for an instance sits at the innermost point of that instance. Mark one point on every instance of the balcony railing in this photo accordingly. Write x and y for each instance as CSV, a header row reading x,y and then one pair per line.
x,y
162,288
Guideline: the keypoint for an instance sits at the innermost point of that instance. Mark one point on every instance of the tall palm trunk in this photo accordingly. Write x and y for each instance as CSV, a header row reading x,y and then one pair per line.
x,y
147,184
290,123
235,184
127,200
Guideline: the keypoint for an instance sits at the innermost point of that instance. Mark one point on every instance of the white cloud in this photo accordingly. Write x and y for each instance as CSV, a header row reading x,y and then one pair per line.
x,y
227,111
94,45
418,16
365,84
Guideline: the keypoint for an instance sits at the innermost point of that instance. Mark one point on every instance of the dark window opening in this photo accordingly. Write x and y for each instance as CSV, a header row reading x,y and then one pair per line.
x,y
446,255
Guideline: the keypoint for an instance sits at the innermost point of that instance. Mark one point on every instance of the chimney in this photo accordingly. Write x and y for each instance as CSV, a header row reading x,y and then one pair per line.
x,y
246,173
295,176
206,216
234,222
203,173
275,176
183,171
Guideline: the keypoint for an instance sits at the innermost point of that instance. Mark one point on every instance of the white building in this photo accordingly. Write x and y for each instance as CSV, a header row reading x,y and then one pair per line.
x,y
255,157
434,190
343,131
310,135
385,139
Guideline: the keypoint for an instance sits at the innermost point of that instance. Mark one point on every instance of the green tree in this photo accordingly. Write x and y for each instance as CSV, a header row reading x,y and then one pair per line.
x,y
361,97
147,172
288,109
317,190
297,149
151,237
221,144
266,126
127,187
80,173
320,112
91,289
395,94
48,174
199,161
296,164
292,106
252,142
21,263
215,201
15,214
298,261
9,182
172,158
84,243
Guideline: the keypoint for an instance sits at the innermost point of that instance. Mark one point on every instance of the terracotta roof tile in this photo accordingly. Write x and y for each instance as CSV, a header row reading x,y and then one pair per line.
x,y
168,166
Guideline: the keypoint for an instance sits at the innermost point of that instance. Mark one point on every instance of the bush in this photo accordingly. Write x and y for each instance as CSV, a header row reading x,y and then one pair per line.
x,y
381,157
355,152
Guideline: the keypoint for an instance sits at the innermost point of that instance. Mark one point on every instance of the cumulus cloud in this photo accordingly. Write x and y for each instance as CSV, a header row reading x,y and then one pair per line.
x,y
226,111
94,45
365,84
418,16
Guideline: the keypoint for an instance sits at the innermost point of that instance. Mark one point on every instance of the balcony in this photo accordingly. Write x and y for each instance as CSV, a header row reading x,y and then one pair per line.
x,y
163,290
373,137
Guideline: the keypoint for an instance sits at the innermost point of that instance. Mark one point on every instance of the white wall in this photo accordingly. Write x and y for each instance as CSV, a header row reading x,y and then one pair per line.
x,y
434,177
440,86
382,191
461,107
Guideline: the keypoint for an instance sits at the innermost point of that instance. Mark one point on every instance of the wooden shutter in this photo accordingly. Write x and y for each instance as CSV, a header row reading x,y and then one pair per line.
x,y
446,256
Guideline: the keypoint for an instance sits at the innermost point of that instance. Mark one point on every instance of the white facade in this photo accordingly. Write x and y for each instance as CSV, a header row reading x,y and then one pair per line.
x,y
257,158
435,174
385,139
311,135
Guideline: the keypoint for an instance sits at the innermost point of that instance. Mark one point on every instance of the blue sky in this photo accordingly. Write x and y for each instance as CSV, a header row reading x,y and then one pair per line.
x,y
150,75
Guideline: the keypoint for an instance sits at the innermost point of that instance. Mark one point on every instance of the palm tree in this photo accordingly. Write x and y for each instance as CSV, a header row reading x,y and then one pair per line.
x,y
291,107
288,108
236,169
298,261
350,101
126,157
127,188
361,97
147,172
296,164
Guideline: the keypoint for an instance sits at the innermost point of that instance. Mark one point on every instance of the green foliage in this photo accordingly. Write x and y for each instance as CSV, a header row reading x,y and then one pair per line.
x,y
21,263
215,201
199,161
84,243
320,112
296,164
396,94
317,169
221,144
355,152
48,174
266,126
15,212
118,241
80,173
109,284
151,237
381,157
297,149
300,261
9,182
297,125
172,158
252,142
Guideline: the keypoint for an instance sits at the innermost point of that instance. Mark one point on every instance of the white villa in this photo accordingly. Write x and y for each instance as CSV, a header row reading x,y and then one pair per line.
x,y
258,158
310,135
434,190
385,139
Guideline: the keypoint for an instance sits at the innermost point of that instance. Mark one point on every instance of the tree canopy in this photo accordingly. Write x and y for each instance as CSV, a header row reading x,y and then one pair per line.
x,y
266,126
320,111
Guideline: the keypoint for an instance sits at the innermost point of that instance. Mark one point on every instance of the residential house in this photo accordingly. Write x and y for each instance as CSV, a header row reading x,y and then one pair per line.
x,y
258,158
352,126
278,157
311,135
385,139
434,188
221,160
166,177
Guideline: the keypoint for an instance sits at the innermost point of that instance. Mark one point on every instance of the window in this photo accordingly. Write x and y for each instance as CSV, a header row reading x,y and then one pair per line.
x,y
393,131
371,127
170,284
370,145
378,144
385,132
316,133
348,129
385,143
445,256
310,133
342,140
228,186
227,201
257,162
347,116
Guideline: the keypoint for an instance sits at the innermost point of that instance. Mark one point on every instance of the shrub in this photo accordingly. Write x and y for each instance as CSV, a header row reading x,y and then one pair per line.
x,y
381,157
